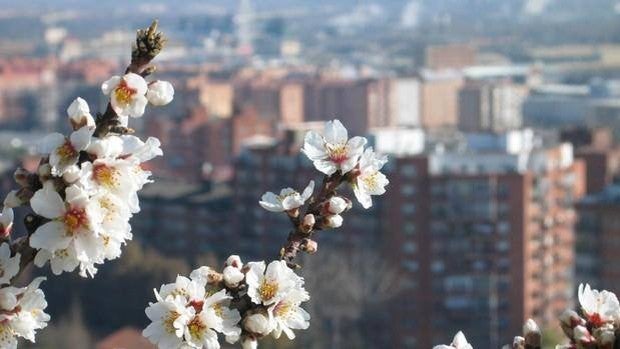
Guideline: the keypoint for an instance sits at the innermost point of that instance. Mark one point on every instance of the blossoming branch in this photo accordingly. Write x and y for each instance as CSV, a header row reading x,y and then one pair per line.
x,y
82,194
246,302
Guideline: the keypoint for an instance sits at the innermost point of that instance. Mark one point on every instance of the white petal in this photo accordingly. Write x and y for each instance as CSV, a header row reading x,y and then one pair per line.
x,y
325,166
137,106
160,93
136,82
81,138
50,142
47,203
307,193
51,236
335,132
109,85
314,146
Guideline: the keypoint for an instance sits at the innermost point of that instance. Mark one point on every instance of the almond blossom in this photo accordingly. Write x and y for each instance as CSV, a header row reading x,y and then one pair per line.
x,y
288,315
459,342
271,284
73,228
599,307
289,199
127,94
169,317
333,151
21,313
64,152
370,181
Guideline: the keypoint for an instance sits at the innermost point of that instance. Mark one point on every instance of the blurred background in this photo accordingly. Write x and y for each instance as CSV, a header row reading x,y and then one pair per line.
x,y
500,117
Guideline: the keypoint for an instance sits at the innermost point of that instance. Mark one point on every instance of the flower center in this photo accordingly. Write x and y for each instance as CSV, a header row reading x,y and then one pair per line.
x,y
370,180
74,219
105,175
282,309
169,321
66,152
196,327
61,253
267,290
124,93
197,305
596,320
218,309
337,153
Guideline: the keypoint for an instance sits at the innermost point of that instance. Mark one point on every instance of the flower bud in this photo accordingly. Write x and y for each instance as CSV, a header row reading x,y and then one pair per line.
x,y
234,261
232,338
532,334
336,205
582,335
160,93
568,320
12,200
258,323
249,343
79,114
308,222
605,336
334,221
72,174
309,246
232,276
518,342
21,177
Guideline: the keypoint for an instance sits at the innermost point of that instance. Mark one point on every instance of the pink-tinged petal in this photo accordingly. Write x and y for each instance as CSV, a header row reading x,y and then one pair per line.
x,y
348,164
51,236
137,106
335,132
80,139
136,82
50,142
109,85
314,146
325,166
47,203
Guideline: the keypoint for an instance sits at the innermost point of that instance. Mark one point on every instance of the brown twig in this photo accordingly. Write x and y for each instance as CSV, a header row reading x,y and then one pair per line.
x,y
298,236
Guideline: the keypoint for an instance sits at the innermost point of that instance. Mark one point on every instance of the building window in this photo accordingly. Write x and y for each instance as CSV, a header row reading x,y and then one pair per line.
x,y
409,228
410,247
408,171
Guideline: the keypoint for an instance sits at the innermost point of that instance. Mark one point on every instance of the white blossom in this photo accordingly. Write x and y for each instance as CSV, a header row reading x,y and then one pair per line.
x,y
79,114
336,205
9,266
73,229
288,314
370,181
599,307
270,285
160,93
289,199
22,313
169,318
333,150
127,94
64,152
232,276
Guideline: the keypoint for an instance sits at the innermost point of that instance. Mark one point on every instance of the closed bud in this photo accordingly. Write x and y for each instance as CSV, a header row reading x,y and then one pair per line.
x,y
582,335
518,342
568,320
72,174
232,276
309,246
605,336
334,221
21,177
234,261
258,323
12,200
532,335
79,114
336,205
249,343
308,222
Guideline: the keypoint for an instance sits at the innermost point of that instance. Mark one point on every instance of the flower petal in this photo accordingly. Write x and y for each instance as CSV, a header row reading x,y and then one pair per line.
x,y
335,132
47,203
51,236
